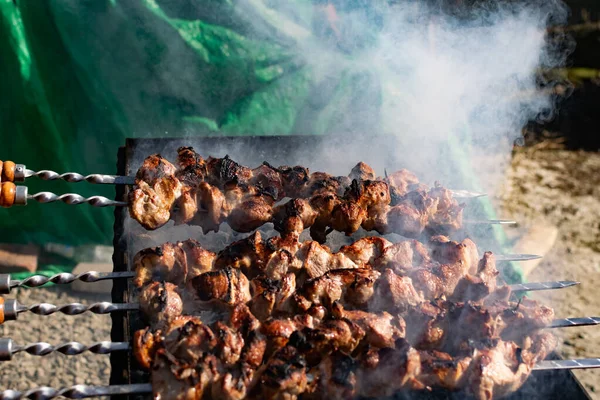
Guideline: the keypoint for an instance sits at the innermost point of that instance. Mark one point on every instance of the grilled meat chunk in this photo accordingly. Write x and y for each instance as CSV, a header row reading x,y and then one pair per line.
x,y
270,297
160,303
355,287
164,263
228,285
381,329
198,259
394,292
362,172
283,377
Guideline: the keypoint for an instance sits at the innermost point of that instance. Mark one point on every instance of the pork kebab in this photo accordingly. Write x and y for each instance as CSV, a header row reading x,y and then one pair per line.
x,y
217,190
370,270
334,334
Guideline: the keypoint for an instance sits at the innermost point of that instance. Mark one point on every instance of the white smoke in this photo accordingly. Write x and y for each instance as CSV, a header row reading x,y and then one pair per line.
x,y
433,78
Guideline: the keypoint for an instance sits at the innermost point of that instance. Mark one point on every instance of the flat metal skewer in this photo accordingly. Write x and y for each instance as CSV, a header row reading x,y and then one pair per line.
x,y
533,286
571,322
11,308
466,194
580,363
8,348
516,257
489,222
7,284
76,392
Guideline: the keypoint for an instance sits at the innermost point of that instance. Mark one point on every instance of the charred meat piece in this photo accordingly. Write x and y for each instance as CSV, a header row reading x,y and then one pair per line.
x,y
381,329
145,344
402,181
271,297
249,254
154,168
395,293
402,257
448,214
479,285
164,263
151,205
334,378
198,259
283,376
266,176
496,370
441,370
366,250
293,216
192,167
316,259
228,285
355,287
362,172
211,208
222,171
445,251
252,213
172,380
397,368
188,339
187,206
160,303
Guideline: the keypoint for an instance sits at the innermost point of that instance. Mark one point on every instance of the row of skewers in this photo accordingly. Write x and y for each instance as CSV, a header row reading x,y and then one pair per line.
x,y
210,192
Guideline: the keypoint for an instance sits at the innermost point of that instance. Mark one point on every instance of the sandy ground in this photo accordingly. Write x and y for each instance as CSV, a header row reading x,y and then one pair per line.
x,y
562,188
557,185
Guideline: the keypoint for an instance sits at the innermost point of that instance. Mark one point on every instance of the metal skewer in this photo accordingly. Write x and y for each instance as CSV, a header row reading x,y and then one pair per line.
x,y
570,322
76,392
8,348
516,257
74,199
533,286
84,391
19,196
489,222
580,363
10,310
21,173
7,284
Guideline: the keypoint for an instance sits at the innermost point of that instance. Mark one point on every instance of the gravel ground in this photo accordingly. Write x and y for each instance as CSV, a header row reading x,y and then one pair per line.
x,y
56,370
543,182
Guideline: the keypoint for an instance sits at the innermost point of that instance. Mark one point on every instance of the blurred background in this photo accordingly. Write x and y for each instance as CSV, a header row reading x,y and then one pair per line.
x,y
494,96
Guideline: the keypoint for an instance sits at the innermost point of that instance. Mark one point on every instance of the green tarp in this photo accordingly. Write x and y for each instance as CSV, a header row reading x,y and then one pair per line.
x,y
78,77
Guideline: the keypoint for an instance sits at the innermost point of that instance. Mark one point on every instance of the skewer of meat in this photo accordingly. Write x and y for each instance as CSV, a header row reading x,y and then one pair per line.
x,y
210,192
400,274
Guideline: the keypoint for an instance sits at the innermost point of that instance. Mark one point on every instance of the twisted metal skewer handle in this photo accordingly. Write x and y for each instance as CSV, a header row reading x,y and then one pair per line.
x,y
76,392
8,348
74,177
74,199
7,284
11,308
11,172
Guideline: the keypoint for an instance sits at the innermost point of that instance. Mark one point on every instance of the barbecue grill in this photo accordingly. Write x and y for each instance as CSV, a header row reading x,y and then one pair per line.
x,y
556,381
